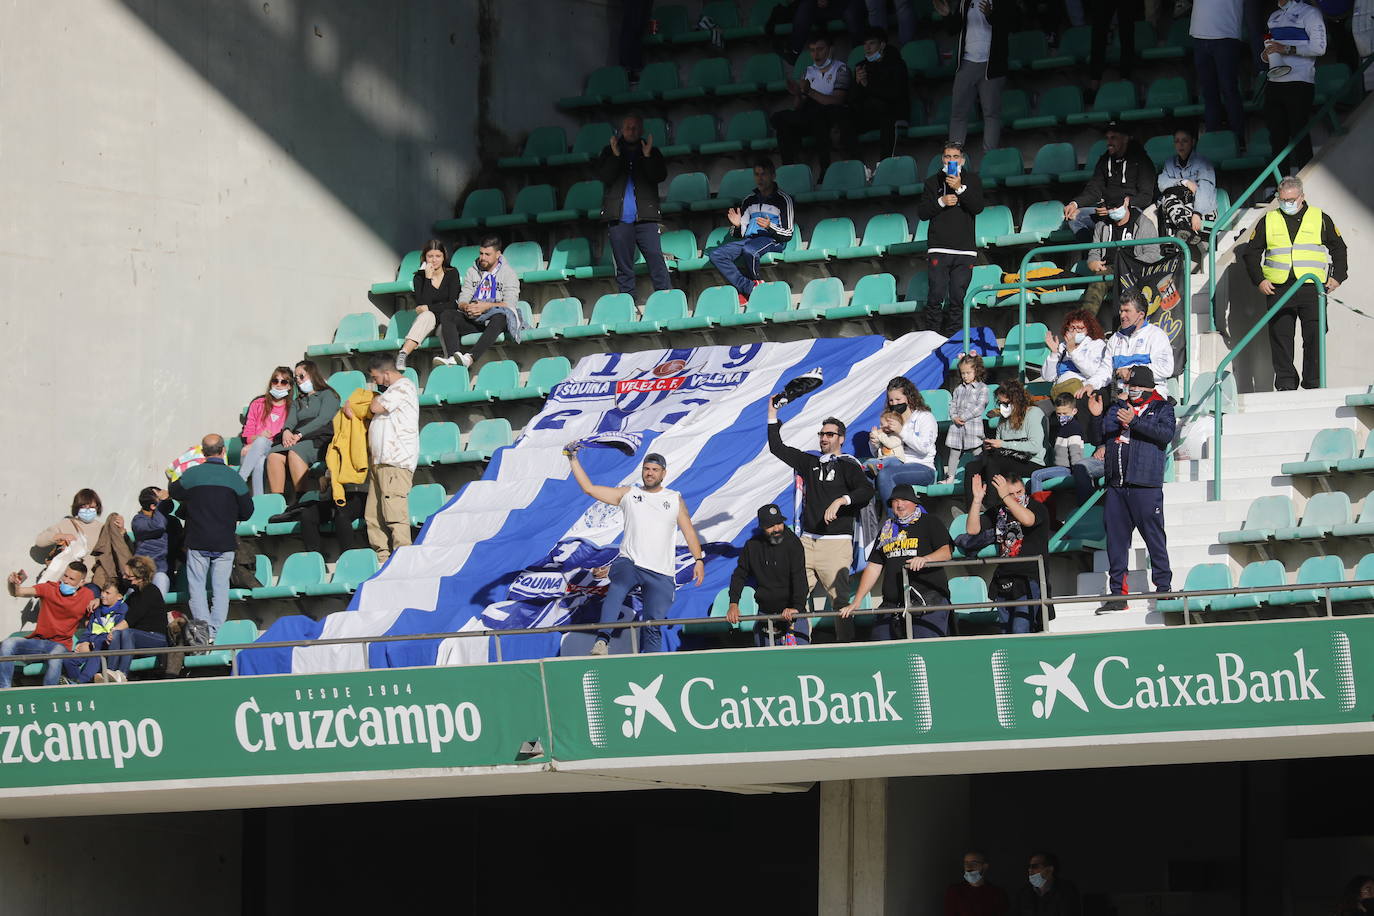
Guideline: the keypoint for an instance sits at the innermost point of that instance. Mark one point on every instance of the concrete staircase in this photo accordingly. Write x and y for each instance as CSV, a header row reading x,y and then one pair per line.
x,y
1268,429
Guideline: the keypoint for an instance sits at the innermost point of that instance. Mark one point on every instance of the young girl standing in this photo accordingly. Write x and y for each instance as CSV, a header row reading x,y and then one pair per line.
x,y
966,409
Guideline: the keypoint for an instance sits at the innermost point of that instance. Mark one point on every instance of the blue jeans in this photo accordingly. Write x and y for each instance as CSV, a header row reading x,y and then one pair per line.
x,y
918,475
624,238
20,645
216,566
80,668
655,595
1085,477
133,639
923,626
1044,475
1218,64
252,462
1022,617
725,257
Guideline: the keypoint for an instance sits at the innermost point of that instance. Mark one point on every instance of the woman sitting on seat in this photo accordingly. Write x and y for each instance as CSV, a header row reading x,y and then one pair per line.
x,y
309,427
436,291
262,426
1017,447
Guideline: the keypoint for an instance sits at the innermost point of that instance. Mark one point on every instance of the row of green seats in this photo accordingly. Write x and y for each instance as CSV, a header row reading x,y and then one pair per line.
x,y
1333,451
1314,571
425,499
1272,519
441,442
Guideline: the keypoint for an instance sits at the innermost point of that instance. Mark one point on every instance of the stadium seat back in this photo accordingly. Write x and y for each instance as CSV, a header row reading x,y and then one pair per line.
x,y
874,290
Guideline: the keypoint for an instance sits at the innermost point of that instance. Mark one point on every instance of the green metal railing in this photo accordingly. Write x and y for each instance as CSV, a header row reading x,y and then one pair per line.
x,y
1022,286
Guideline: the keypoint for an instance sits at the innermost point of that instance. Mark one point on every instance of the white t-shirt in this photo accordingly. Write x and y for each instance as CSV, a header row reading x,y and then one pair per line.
x,y
650,529
394,437
1213,19
834,76
977,34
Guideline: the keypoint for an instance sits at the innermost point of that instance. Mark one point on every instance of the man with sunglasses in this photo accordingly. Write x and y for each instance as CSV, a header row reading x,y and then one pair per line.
x,y
834,490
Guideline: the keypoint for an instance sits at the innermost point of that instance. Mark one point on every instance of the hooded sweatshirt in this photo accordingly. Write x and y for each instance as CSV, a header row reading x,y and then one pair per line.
x,y
1132,175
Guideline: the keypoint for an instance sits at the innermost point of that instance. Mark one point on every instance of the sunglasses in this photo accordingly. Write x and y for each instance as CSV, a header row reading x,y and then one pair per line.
x,y
824,433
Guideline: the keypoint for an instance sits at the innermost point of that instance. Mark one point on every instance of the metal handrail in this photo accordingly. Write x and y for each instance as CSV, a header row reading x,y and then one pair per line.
x,y
1023,287
1273,171
1043,602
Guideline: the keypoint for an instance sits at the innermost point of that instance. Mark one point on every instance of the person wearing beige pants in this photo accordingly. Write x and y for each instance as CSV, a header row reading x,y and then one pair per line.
x,y
827,562
388,509
393,433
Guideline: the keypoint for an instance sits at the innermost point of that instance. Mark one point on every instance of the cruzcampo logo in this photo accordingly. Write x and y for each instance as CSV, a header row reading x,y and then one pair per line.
x,y
714,701
1115,683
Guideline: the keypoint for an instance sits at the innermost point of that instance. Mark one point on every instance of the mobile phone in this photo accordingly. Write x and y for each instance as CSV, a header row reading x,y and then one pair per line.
x,y
952,169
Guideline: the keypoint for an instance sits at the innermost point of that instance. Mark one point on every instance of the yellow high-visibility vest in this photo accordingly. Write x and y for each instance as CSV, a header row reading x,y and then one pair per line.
x,y
1298,256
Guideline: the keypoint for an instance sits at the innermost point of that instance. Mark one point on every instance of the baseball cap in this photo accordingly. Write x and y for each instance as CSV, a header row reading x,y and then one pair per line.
x,y
770,515
656,458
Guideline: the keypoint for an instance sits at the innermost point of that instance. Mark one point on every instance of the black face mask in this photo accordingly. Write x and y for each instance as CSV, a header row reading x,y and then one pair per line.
x,y
897,408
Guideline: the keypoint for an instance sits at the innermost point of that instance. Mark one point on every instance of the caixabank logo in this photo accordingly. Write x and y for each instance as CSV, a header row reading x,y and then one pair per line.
x,y
736,698
1203,682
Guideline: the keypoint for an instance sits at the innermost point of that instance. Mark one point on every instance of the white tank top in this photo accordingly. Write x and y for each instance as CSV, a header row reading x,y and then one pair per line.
x,y
650,529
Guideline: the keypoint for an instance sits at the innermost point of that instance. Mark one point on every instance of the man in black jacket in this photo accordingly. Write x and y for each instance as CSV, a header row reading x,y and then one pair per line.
x,y
950,199
881,95
835,491
773,558
985,28
215,499
1045,893
632,169
1124,172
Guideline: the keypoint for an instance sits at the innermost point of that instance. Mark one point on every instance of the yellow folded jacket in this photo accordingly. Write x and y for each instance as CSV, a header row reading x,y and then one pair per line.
x,y
347,455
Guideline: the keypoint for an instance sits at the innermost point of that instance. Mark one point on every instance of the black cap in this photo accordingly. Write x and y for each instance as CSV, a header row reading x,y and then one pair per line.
x,y
1116,127
656,458
770,515
903,491
1142,377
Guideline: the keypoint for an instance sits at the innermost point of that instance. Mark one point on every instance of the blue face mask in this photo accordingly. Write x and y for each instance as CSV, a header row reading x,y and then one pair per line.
x,y
305,386
1290,207
1116,215
66,589
873,58
1037,880
86,515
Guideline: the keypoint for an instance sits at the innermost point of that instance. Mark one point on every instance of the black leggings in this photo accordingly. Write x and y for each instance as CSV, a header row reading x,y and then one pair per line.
x,y
455,324
322,510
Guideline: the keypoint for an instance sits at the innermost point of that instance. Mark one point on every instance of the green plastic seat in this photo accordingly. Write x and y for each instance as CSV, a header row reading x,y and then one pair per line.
x,y
524,257
486,437
745,130
494,377
1330,79
1313,571
356,566
262,567
556,316
425,500
438,439
265,506
478,207
546,373
705,77
717,236
840,178
829,238
590,140
1054,107
1051,160
767,302
610,310
353,329
937,399
1175,45
715,304
1036,351
1266,515
1025,48
883,229
404,282
1042,221
998,165
530,201
673,22
541,144
230,633
445,385
1218,146
1365,399
971,590
583,201
603,84
679,248
605,266
793,244
761,73
1160,149
991,224
959,526
817,298
662,307
1329,447
684,190
1075,46
1323,513
735,185
1365,462
1259,574
870,293
794,179
1016,104
568,257
1203,577
890,177
654,80
1095,153
1088,533
690,134
923,58
1364,571
346,381
462,258
1165,96
299,570
1112,100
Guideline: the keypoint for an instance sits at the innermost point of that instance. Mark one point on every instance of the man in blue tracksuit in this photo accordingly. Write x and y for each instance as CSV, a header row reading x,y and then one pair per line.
x,y
762,223
1137,427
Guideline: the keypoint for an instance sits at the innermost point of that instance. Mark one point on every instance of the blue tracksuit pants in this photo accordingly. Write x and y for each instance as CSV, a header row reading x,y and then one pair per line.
x,y
1140,509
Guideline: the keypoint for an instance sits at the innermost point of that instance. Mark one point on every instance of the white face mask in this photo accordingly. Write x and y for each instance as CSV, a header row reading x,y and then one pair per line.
x,y
306,387
973,877
1004,409
1037,880
1116,215
280,393
873,58
1290,207
1079,336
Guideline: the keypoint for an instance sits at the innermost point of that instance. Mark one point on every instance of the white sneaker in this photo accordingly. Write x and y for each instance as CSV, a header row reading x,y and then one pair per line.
x,y
445,361
465,360
600,648
119,677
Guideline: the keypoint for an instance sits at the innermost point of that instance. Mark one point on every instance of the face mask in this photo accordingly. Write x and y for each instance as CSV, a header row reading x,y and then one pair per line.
x,y
873,58
305,386
86,515
1079,336
66,589
1290,207
1116,215
908,519
896,408
280,393
822,64
973,877
1137,393
1004,409
1037,880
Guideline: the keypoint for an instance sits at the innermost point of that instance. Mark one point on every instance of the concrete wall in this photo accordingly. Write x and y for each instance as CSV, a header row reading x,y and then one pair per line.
x,y
195,191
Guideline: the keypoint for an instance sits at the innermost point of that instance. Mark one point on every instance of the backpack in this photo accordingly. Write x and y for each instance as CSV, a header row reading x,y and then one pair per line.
x,y
196,634
191,633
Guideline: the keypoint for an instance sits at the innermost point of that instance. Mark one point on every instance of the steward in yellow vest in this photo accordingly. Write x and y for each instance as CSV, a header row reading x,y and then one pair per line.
x,y
1290,243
